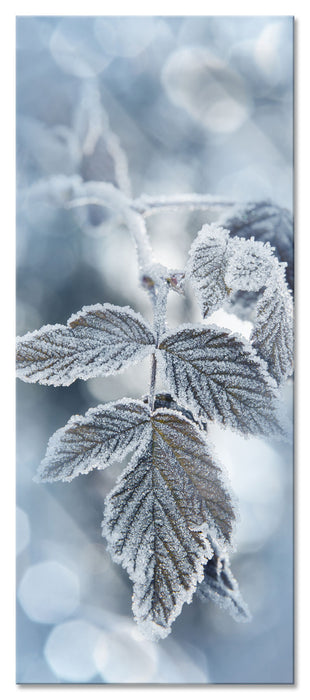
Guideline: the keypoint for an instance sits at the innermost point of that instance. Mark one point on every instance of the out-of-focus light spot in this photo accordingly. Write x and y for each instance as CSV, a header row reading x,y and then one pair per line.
x,y
48,592
177,665
232,322
54,150
255,470
22,530
273,52
125,36
207,88
123,656
134,381
32,35
168,235
74,48
26,317
252,182
69,651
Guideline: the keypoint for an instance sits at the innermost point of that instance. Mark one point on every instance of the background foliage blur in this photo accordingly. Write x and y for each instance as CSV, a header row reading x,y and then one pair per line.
x,y
161,105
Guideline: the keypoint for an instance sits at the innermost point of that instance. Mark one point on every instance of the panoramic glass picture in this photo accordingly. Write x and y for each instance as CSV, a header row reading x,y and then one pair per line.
x,y
155,350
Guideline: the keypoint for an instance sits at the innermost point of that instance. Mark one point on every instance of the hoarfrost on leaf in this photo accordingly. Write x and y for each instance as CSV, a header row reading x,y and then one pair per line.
x,y
220,267
99,340
105,434
265,221
218,376
160,519
250,265
273,332
206,267
220,586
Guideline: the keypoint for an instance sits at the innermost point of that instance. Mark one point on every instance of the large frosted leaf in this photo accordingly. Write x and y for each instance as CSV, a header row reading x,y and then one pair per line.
x,y
206,267
220,586
217,374
100,339
272,335
106,433
161,516
266,222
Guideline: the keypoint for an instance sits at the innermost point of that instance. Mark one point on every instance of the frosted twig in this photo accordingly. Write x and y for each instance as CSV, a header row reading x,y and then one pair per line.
x,y
103,194
148,205
137,228
153,382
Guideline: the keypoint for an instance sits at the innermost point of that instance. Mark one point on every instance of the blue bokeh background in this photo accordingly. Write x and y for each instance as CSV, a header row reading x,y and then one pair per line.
x,y
161,105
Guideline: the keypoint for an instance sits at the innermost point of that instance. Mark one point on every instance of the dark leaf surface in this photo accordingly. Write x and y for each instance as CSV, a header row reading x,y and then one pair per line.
x,y
160,517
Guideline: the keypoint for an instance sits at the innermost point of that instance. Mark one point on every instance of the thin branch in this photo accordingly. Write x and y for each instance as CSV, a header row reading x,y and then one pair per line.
x,y
147,205
152,383
137,228
103,194
159,307
85,201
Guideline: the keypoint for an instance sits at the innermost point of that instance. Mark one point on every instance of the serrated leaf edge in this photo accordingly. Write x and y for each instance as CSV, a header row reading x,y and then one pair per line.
x,y
139,355
119,453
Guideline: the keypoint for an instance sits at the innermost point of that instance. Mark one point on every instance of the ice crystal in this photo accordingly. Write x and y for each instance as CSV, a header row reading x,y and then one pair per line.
x,y
250,265
100,339
218,375
161,517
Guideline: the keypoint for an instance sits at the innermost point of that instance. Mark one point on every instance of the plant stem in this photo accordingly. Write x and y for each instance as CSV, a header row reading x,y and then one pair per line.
x,y
160,305
152,383
105,194
147,206
137,228
159,308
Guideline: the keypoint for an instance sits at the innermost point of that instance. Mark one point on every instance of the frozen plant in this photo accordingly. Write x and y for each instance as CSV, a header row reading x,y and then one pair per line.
x,y
171,517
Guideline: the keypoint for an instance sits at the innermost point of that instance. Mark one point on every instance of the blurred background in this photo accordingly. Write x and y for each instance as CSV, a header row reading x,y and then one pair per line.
x,y
162,106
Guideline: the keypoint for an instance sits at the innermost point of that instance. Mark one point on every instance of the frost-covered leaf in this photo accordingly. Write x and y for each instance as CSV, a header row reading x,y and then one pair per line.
x,y
106,433
163,513
273,331
220,266
250,265
220,586
217,375
206,267
100,339
266,222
